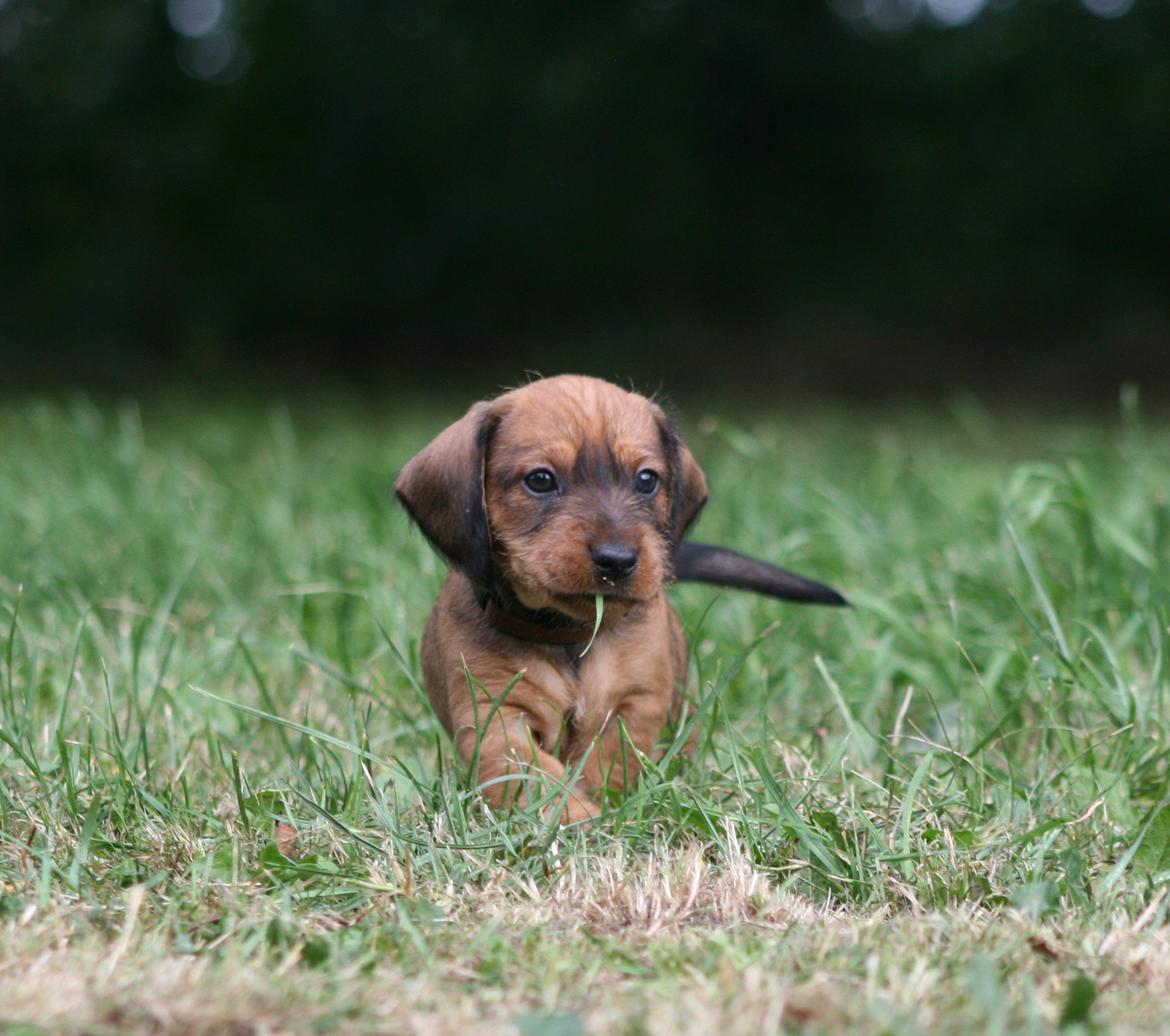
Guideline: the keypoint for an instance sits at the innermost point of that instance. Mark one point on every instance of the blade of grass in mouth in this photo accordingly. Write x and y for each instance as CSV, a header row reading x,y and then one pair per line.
x,y
599,604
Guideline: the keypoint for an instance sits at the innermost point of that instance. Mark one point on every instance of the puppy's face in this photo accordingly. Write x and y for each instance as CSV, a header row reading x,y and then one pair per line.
x,y
562,489
577,488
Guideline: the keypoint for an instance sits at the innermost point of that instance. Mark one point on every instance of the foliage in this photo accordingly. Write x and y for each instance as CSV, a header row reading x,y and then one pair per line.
x,y
364,185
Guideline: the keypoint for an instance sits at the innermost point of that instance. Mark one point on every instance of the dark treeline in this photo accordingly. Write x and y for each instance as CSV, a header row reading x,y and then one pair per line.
x,y
356,190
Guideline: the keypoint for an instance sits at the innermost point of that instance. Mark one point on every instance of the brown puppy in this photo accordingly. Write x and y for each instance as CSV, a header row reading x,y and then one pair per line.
x,y
542,499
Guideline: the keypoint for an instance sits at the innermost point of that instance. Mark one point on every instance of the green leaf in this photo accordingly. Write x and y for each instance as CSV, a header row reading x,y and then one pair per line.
x,y
550,1025
316,951
1082,992
1153,855
282,869
1036,899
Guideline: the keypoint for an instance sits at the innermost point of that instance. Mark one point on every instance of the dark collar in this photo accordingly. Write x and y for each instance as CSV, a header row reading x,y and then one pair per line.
x,y
539,627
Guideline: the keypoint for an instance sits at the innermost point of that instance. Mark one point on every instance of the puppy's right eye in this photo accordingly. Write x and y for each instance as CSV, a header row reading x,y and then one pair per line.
x,y
541,481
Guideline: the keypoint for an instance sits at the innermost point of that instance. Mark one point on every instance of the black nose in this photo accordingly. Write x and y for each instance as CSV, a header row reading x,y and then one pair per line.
x,y
614,561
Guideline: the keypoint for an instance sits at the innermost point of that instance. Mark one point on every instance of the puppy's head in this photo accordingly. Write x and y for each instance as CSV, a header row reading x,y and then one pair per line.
x,y
562,489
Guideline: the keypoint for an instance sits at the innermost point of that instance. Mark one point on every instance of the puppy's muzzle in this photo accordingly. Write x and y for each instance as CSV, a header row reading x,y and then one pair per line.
x,y
614,561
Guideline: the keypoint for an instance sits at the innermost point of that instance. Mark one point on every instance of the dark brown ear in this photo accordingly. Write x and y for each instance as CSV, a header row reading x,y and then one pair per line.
x,y
688,484
442,489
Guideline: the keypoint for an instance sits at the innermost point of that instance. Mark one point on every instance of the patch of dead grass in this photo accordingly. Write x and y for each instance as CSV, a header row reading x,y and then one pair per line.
x,y
652,894
750,959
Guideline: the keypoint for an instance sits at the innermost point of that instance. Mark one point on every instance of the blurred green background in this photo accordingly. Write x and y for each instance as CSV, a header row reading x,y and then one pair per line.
x,y
869,198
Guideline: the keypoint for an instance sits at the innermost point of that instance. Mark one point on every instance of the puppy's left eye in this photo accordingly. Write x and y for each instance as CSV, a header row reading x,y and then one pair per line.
x,y
646,481
541,481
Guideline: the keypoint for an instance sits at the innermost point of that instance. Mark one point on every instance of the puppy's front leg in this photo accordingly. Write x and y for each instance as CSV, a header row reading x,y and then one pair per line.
x,y
611,754
511,752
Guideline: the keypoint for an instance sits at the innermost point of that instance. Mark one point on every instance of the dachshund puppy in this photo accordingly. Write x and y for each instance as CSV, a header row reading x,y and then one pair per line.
x,y
541,500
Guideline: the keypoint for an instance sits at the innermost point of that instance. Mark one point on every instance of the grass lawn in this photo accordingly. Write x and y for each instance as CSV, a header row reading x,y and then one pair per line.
x,y
225,805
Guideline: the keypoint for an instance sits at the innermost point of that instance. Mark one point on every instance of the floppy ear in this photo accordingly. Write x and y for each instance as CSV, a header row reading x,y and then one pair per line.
x,y
688,484
441,488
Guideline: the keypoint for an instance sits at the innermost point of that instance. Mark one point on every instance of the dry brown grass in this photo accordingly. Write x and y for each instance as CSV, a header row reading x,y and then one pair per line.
x,y
671,943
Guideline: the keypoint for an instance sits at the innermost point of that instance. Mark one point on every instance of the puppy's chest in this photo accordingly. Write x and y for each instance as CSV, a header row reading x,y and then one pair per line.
x,y
591,688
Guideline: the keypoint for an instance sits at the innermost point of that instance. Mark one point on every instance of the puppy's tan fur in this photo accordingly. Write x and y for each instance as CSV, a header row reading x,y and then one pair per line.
x,y
521,553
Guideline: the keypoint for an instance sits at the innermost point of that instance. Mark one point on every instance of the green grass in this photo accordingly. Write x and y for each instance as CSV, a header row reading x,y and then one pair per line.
x,y
225,804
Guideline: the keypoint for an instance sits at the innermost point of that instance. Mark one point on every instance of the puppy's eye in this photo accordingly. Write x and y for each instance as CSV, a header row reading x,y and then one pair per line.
x,y
541,481
646,481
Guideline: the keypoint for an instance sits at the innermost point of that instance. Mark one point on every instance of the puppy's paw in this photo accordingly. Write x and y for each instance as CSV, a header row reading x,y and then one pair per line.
x,y
579,810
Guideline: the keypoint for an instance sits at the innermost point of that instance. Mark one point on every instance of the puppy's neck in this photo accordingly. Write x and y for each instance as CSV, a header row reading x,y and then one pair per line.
x,y
507,615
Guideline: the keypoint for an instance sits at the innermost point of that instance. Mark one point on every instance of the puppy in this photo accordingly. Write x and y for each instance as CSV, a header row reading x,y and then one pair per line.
x,y
542,499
